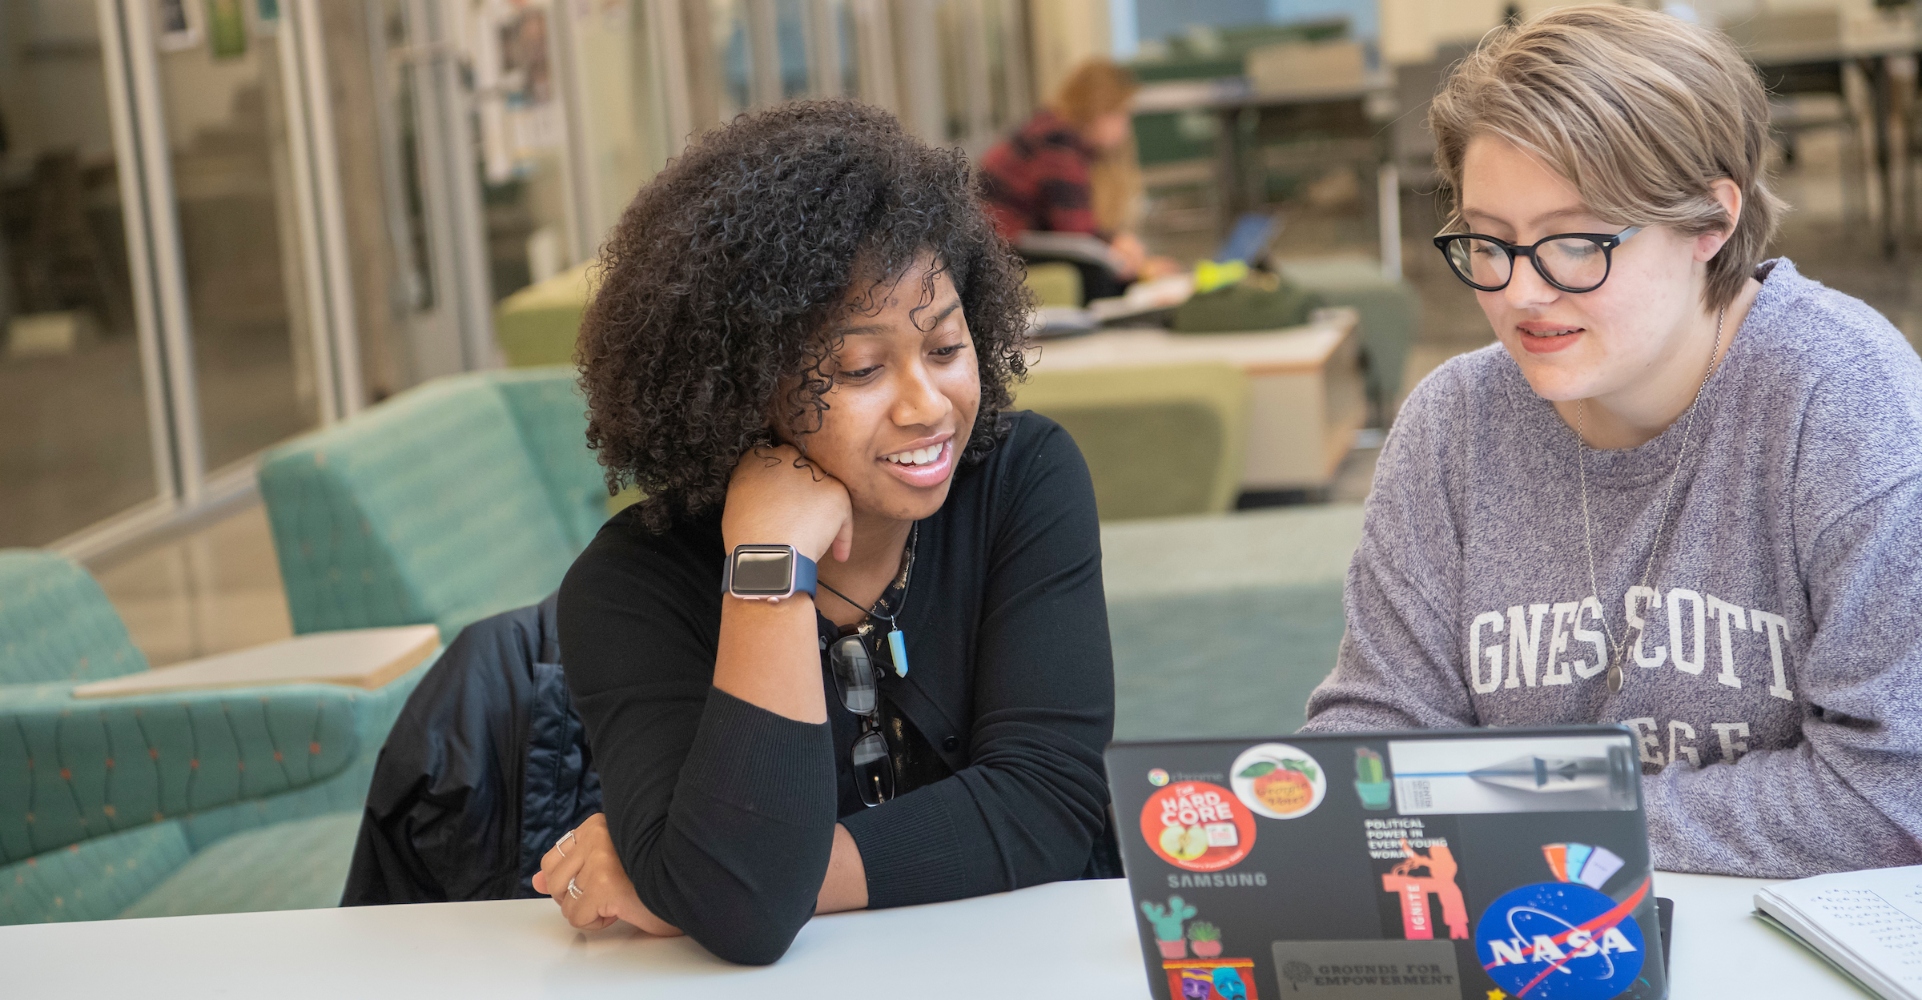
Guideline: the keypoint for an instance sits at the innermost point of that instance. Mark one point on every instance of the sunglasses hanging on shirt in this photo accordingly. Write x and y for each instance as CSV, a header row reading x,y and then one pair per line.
x,y
858,683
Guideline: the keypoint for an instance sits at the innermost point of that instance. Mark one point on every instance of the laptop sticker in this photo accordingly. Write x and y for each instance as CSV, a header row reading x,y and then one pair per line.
x,y
1550,774
1211,979
1371,780
1278,781
1366,970
1197,825
1591,866
1427,893
1562,941
1168,922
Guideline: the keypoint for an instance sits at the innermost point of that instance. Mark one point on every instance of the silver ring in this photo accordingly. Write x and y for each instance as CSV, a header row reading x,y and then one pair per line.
x,y
569,835
573,890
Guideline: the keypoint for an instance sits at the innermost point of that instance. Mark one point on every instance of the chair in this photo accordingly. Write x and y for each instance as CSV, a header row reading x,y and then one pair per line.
x,y
1159,441
1389,312
462,497
539,324
163,804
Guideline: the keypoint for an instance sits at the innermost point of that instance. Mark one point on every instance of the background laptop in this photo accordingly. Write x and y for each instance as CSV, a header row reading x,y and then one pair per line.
x,y
1436,865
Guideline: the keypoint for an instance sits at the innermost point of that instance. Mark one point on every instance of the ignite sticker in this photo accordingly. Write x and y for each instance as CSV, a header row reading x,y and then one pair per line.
x,y
1198,826
1278,781
1562,941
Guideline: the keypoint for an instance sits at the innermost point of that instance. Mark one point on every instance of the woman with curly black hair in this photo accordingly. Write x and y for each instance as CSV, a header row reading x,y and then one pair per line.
x,y
801,352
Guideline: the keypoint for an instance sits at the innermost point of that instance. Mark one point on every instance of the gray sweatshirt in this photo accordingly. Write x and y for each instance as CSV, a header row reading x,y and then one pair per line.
x,y
1774,669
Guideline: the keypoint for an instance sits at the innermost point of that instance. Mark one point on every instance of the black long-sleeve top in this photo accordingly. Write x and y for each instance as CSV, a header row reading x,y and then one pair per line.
x,y
724,812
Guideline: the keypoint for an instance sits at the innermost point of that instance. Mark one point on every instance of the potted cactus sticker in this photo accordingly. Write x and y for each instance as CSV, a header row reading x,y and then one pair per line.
x,y
1167,921
1371,783
1205,938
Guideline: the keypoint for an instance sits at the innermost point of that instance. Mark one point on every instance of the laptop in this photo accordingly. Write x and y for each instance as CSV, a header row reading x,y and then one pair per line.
x,y
1478,864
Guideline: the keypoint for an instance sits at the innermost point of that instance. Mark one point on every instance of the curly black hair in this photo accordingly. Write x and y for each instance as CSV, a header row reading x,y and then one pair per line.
x,y
721,277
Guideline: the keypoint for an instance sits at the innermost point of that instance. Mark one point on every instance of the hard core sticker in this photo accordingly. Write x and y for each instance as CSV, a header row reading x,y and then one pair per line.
x,y
1561,941
1197,825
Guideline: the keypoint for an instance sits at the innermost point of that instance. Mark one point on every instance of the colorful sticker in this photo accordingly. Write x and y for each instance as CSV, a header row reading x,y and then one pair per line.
x,y
1422,874
1198,826
1278,781
1211,979
1562,941
1589,865
1157,777
1371,780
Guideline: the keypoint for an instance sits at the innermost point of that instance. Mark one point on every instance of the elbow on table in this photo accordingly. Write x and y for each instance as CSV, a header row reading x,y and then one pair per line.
x,y
757,940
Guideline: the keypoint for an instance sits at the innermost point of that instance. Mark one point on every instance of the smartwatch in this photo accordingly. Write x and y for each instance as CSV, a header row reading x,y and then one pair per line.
x,y
767,573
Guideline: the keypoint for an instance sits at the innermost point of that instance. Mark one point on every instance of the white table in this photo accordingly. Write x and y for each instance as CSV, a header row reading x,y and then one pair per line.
x,y
1068,940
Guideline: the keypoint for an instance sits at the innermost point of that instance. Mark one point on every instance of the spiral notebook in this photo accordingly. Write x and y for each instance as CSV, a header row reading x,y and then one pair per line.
x,y
1867,924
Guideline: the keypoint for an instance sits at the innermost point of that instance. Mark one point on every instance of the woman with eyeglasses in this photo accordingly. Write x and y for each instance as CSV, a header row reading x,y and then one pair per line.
x,y
1681,494
851,649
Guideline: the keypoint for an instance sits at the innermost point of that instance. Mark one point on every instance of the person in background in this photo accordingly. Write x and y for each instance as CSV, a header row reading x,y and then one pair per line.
x,y
1680,494
1071,169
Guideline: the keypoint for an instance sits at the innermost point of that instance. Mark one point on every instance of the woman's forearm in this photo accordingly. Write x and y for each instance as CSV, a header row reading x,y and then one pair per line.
x,y
770,657
846,884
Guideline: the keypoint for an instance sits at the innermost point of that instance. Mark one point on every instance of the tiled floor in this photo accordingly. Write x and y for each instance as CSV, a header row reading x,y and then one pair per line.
x,y
219,589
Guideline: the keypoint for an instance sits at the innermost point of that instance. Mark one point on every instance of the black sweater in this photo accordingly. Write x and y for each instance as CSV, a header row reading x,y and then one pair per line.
x,y
724,812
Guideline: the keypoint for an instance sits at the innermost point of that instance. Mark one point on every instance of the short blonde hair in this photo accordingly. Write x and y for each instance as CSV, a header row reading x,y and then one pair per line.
x,y
1640,111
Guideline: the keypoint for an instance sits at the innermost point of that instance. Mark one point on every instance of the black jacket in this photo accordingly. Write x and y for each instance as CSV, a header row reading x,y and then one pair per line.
x,y
486,767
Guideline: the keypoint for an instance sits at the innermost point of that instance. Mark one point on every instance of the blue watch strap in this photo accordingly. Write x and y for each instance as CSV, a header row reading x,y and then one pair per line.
x,y
806,573
805,576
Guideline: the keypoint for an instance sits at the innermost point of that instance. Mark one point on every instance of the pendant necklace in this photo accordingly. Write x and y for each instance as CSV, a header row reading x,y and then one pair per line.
x,y
1616,678
897,639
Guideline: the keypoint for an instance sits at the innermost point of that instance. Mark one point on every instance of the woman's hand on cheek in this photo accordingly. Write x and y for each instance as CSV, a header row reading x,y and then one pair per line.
x,y
601,893
775,498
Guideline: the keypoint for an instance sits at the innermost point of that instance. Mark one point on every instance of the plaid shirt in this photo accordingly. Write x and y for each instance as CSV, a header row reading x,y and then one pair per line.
x,y
1037,179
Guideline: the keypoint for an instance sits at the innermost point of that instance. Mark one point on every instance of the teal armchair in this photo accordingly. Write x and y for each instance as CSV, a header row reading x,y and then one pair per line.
x,y
163,804
454,500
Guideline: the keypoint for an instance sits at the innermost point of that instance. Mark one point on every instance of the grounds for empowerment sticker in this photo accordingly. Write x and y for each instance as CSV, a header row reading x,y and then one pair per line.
x,y
1367,970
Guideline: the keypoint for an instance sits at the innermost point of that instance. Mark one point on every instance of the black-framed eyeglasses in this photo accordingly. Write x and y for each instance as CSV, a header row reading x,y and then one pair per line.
x,y
1572,262
858,681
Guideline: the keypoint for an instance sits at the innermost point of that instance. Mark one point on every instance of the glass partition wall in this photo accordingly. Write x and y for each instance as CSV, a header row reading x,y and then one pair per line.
x,y
170,280
227,222
76,442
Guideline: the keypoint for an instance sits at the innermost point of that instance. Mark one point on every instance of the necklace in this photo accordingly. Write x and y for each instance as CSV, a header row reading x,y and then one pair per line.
x,y
1617,650
897,640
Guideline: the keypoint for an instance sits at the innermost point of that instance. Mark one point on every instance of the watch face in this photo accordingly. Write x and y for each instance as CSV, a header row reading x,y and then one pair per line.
x,y
762,572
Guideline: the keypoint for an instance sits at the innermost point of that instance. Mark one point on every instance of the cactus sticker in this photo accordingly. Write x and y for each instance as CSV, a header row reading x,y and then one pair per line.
x,y
1167,921
1278,781
1205,939
1371,781
1198,826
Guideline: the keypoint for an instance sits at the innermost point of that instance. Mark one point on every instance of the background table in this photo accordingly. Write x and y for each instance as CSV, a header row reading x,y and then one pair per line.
x,y
1067,940
1308,399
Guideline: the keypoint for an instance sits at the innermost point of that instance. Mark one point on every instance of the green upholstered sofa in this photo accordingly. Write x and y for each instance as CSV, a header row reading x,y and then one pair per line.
x,y
164,804
1160,441
462,497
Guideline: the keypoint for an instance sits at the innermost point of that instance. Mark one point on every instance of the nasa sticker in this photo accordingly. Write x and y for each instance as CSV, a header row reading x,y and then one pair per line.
x,y
1278,781
1561,941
